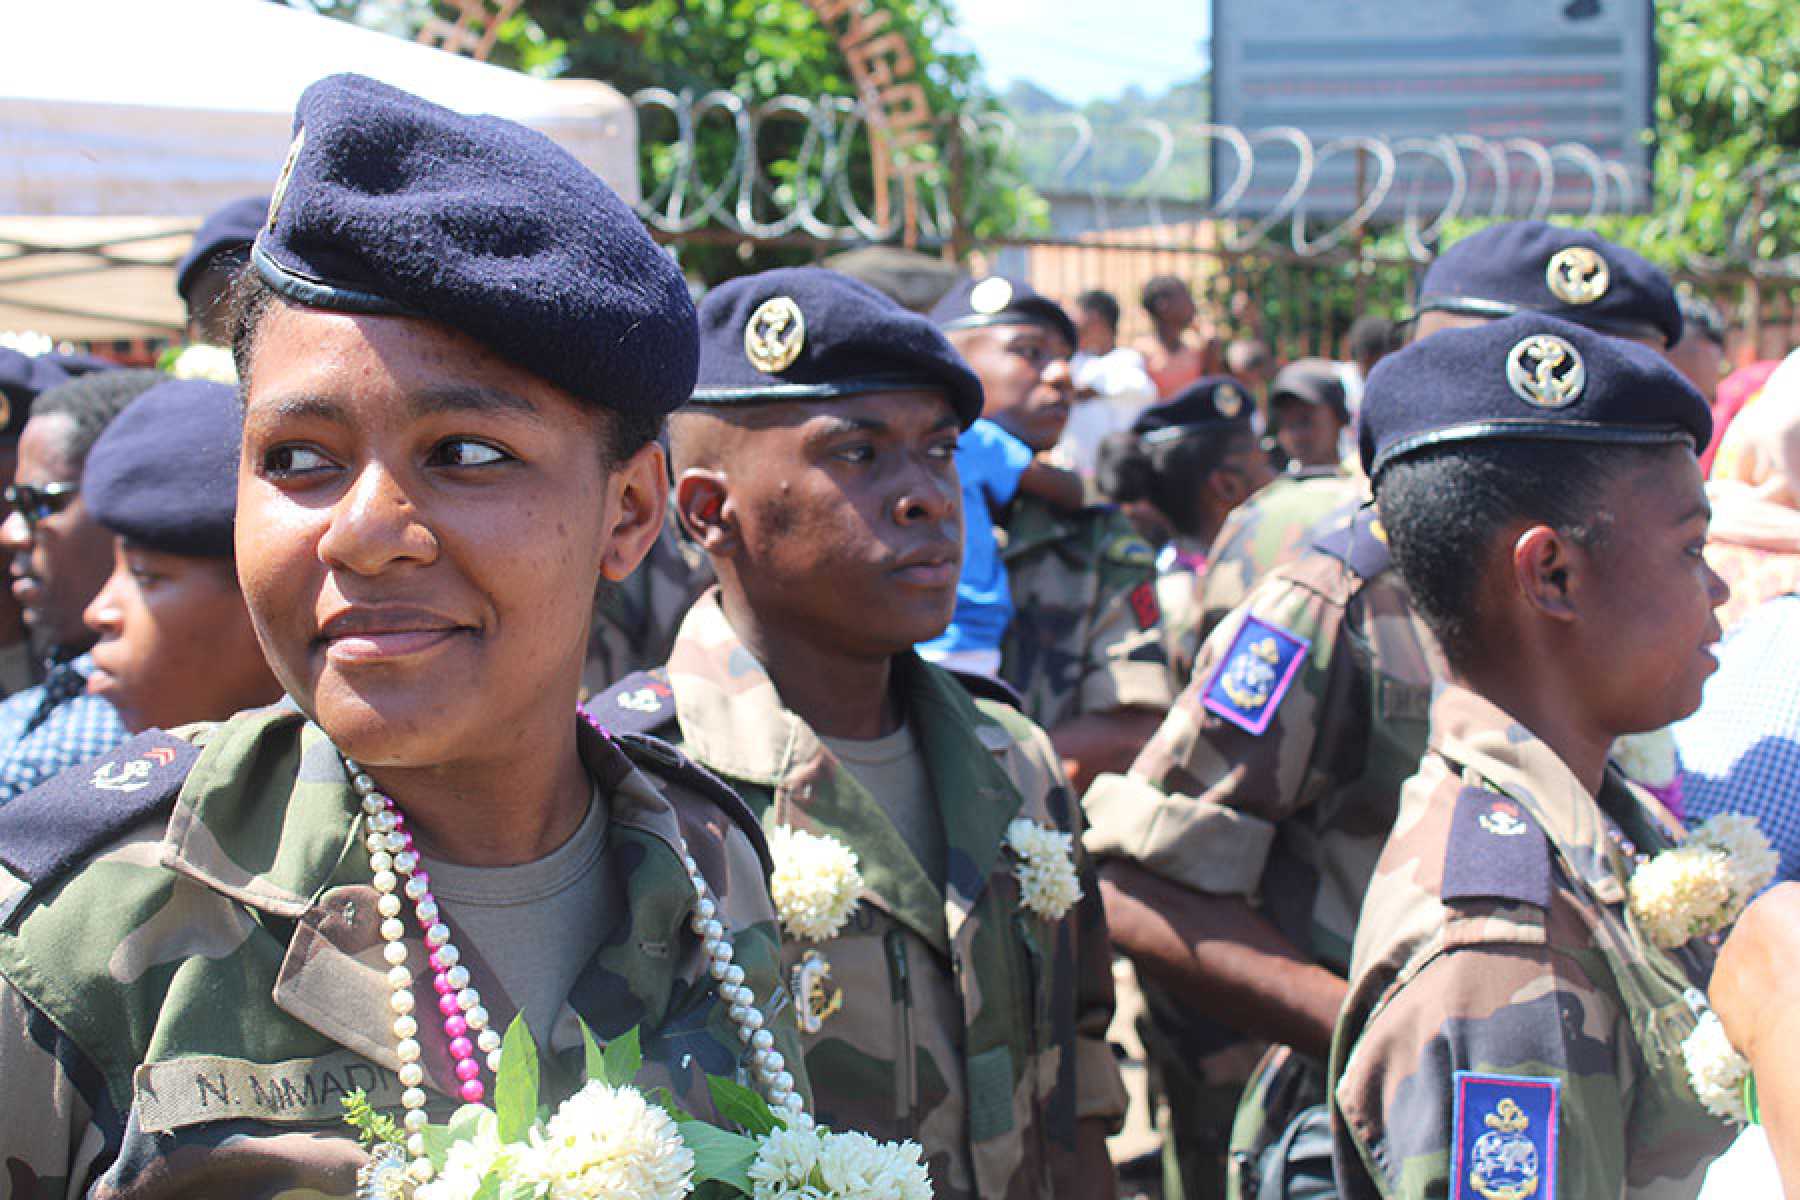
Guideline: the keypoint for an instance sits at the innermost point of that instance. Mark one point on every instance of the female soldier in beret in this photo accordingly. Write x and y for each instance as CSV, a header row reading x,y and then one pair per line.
x,y
456,347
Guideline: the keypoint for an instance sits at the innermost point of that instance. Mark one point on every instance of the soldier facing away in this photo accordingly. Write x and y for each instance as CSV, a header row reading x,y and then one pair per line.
x,y
954,999
206,939
1515,1018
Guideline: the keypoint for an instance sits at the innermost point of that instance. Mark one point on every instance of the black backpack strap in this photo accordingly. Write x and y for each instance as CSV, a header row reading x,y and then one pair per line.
x,y
52,829
642,702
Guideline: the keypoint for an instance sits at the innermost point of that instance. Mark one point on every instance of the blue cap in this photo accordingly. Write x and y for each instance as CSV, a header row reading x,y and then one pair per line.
x,y
389,204
1529,377
1212,401
22,377
1575,274
164,473
998,300
805,333
224,237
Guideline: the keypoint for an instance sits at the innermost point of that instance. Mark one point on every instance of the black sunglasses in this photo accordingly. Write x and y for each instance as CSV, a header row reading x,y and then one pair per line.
x,y
34,503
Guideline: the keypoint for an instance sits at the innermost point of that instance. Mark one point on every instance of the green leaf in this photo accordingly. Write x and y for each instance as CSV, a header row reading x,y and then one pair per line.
x,y
718,1154
623,1058
516,1088
465,1122
664,1099
593,1064
489,1189
438,1140
741,1106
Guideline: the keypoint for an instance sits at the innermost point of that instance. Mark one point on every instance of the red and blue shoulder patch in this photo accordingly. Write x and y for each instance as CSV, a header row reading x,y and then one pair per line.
x,y
1249,682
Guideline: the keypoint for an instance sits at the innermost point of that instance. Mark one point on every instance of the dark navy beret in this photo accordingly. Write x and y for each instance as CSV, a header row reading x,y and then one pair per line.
x,y
74,363
390,204
225,235
22,377
1312,381
997,300
806,333
1214,400
1570,273
164,473
1528,377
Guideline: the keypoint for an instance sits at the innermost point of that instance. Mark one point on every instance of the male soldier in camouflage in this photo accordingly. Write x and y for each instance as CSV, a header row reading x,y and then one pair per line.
x,y
203,945
957,1006
1236,853
1085,646
1514,1024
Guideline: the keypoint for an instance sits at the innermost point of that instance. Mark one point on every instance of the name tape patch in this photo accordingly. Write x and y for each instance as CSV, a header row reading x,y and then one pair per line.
x,y
180,1092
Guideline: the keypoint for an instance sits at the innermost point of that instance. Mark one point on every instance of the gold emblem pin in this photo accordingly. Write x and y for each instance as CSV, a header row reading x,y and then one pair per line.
x,y
815,999
1546,372
1229,401
287,173
1577,275
775,335
991,296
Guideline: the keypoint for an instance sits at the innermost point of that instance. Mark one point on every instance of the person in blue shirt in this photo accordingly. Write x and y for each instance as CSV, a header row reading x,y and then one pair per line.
x,y
994,466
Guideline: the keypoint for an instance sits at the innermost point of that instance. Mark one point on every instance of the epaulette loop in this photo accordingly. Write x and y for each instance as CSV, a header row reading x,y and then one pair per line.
x,y
642,702
1497,851
1359,543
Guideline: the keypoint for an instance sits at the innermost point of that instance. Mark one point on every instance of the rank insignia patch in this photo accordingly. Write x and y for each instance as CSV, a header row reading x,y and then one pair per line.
x,y
1256,673
1144,606
1505,1138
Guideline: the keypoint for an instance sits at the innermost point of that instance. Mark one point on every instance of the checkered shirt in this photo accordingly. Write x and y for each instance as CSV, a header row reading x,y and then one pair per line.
x,y
1741,751
53,726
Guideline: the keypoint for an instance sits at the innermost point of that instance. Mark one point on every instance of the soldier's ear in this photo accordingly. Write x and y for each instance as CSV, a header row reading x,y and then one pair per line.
x,y
701,495
1544,570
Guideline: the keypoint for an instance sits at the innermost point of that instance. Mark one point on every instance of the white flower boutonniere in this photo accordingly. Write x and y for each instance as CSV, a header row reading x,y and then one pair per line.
x,y
1700,887
816,884
1716,1070
816,1164
1650,759
1048,884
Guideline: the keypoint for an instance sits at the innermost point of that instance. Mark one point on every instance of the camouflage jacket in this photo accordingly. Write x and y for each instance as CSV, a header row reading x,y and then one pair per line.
x,y
949,1013
1509,1030
183,1009
1267,530
1085,635
1286,795
1180,572
635,621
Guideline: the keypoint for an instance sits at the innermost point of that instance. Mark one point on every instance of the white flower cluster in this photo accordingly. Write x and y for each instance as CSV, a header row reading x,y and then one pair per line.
x,y
1716,1070
1648,758
1048,884
211,363
1701,886
604,1142
815,885
817,1164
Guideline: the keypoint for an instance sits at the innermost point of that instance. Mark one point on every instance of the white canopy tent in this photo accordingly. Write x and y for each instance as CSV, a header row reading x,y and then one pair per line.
x,y
124,122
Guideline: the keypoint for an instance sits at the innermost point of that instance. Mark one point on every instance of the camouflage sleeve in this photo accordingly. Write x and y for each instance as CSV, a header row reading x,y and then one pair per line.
x,y
1231,569
1125,662
49,1139
1493,1066
1201,802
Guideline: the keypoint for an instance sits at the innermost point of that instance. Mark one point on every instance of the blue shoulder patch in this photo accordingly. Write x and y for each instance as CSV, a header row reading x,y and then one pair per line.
x,y
1497,851
642,702
1504,1137
47,832
1360,544
1254,675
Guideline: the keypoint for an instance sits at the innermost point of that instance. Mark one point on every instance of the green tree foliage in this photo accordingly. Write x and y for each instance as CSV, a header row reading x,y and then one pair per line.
x,y
759,49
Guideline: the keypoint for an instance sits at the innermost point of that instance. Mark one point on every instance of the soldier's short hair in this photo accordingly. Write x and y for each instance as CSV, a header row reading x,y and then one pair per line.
x,y
1443,508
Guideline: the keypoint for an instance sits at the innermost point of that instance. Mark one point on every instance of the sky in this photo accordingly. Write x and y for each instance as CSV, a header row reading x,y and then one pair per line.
x,y
1087,49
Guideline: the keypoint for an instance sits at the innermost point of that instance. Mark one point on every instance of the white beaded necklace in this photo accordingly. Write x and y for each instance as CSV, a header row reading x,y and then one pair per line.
x,y
394,863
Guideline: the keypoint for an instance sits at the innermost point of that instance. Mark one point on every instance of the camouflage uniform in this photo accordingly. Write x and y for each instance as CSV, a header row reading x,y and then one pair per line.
x,y
1509,1030
635,621
1085,635
183,1009
1267,530
966,1021
1292,817
1180,572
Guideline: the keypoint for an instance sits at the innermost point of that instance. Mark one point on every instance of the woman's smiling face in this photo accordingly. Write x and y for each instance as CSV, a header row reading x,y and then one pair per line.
x,y
421,527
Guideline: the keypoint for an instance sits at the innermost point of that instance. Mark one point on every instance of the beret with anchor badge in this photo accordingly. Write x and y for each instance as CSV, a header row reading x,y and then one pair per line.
x,y
1209,403
391,205
810,334
1575,274
997,300
22,377
1529,377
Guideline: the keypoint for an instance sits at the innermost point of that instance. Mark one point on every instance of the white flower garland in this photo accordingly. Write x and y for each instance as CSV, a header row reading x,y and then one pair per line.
x,y
1700,887
213,364
1048,884
1650,758
1716,1070
816,1164
816,883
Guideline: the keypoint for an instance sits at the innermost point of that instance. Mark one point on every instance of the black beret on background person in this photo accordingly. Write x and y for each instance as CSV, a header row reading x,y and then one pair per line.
x,y
175,641
220,248
1000,300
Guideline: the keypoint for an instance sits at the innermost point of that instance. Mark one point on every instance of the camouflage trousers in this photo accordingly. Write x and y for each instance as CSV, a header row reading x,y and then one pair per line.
x,y
1198,1072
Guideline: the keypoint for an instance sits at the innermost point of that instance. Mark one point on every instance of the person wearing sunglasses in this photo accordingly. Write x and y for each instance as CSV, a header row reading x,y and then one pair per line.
x,y
60,558
22,377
